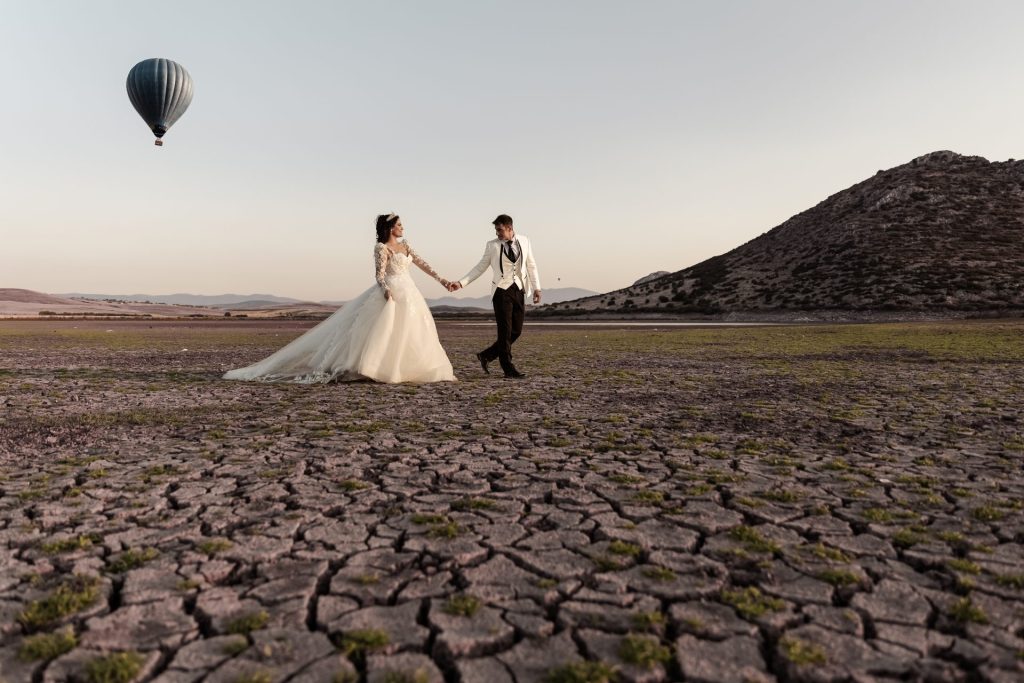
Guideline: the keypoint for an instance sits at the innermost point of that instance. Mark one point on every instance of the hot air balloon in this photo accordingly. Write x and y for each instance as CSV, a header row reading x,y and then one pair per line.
x,y
160,90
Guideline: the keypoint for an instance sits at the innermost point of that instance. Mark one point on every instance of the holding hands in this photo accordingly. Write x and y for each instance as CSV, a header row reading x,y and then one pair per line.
x,y
453,286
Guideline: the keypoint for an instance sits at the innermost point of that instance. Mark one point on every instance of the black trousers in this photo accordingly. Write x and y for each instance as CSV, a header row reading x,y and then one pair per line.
x,y
509,309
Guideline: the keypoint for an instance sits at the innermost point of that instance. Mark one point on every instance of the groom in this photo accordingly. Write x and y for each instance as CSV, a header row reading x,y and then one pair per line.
x,y
513,276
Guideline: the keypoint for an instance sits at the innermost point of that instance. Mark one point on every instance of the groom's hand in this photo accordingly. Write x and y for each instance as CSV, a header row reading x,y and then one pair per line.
x,y
455,286
536,296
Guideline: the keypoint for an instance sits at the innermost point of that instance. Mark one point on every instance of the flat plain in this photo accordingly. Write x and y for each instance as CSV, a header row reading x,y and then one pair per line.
x,y
798,503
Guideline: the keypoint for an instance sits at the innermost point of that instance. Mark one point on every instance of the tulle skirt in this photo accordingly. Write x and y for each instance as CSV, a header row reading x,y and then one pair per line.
x,y
370,337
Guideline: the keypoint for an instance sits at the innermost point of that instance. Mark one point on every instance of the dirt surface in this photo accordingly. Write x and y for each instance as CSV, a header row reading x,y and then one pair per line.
x,y
807,503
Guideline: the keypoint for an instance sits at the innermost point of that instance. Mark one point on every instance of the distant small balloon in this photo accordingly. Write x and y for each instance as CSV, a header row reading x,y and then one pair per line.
x,y
160,90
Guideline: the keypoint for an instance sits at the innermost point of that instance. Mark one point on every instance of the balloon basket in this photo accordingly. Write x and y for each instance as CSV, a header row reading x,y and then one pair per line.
x,y
158,143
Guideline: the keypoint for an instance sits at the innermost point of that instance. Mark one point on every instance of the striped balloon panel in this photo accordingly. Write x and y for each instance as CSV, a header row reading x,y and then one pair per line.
x,y
160,90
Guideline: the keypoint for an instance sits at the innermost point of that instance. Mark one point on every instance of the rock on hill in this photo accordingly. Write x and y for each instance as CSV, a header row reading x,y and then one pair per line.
x,y
653,276
944,232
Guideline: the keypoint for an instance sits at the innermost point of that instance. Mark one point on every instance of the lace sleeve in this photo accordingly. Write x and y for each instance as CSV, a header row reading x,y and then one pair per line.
x,y
380,259
424,266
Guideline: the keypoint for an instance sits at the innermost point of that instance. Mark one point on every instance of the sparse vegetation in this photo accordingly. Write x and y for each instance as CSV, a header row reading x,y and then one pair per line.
x,y
645,651
963,565
750,602
659,573
118,667
69,597
462,605
366,579
235,646
429,519
987,513
753,540
474,504
648,621
878,515
259,676
582,672
67,545
801,652
130,559
839,577
906,538
618,547
780,496
47,646
247,623
357,643
445,530
1011,581
649,496
417,676
213,546
825,552
965,611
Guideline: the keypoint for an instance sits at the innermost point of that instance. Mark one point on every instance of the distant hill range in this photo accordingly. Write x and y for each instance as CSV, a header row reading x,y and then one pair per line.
x,y
259,301
943,233
21,303
24,303
189,299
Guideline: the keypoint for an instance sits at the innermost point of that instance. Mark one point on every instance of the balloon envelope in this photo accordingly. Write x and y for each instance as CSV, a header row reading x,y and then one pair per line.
x,y
160,90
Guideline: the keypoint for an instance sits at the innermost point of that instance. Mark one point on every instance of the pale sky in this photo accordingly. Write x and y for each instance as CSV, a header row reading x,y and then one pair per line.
x,y
624,137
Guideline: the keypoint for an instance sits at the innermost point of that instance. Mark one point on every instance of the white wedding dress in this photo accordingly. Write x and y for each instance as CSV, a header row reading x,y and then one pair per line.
x,y
370,337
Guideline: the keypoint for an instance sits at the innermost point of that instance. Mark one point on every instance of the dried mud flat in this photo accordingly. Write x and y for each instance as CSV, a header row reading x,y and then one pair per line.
x,y
833,503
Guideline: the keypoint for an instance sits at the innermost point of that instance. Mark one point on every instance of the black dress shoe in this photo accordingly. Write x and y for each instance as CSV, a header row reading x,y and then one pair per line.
x,y
515,374
483,362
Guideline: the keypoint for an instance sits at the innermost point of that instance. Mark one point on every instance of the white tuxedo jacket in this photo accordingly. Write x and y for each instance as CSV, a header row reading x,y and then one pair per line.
x,y
526,266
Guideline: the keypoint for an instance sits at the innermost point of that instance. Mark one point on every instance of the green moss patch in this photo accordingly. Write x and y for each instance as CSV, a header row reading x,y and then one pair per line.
x,y
247,623
70,597
47,646
645,651
68,545
355,644
212,546
751,602
801,652
119,667
582,672
131,559
462,605
753,540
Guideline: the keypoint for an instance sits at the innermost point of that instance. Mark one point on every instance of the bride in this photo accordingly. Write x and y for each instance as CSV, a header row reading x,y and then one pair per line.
x,y
386,334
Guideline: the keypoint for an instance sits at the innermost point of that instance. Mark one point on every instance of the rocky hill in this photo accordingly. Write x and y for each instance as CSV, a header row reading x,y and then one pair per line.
x,y
943,233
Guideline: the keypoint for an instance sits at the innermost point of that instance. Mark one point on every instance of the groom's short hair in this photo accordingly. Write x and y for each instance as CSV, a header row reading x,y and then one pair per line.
x,y
502,219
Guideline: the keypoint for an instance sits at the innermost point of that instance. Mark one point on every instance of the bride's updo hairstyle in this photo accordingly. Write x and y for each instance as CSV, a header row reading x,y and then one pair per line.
x,y
385,222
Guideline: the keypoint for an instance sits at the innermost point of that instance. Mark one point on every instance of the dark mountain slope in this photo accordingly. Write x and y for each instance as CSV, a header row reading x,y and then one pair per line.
x,y
943,232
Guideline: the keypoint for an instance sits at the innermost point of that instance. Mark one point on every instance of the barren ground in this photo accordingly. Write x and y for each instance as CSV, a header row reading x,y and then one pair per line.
x,y
823,503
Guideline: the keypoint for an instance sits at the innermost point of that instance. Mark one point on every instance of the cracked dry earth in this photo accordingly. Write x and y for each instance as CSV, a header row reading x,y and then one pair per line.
x,y
817,503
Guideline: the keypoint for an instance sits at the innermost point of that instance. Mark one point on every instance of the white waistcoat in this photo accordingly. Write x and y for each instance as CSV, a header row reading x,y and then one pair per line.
x,y
511,272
